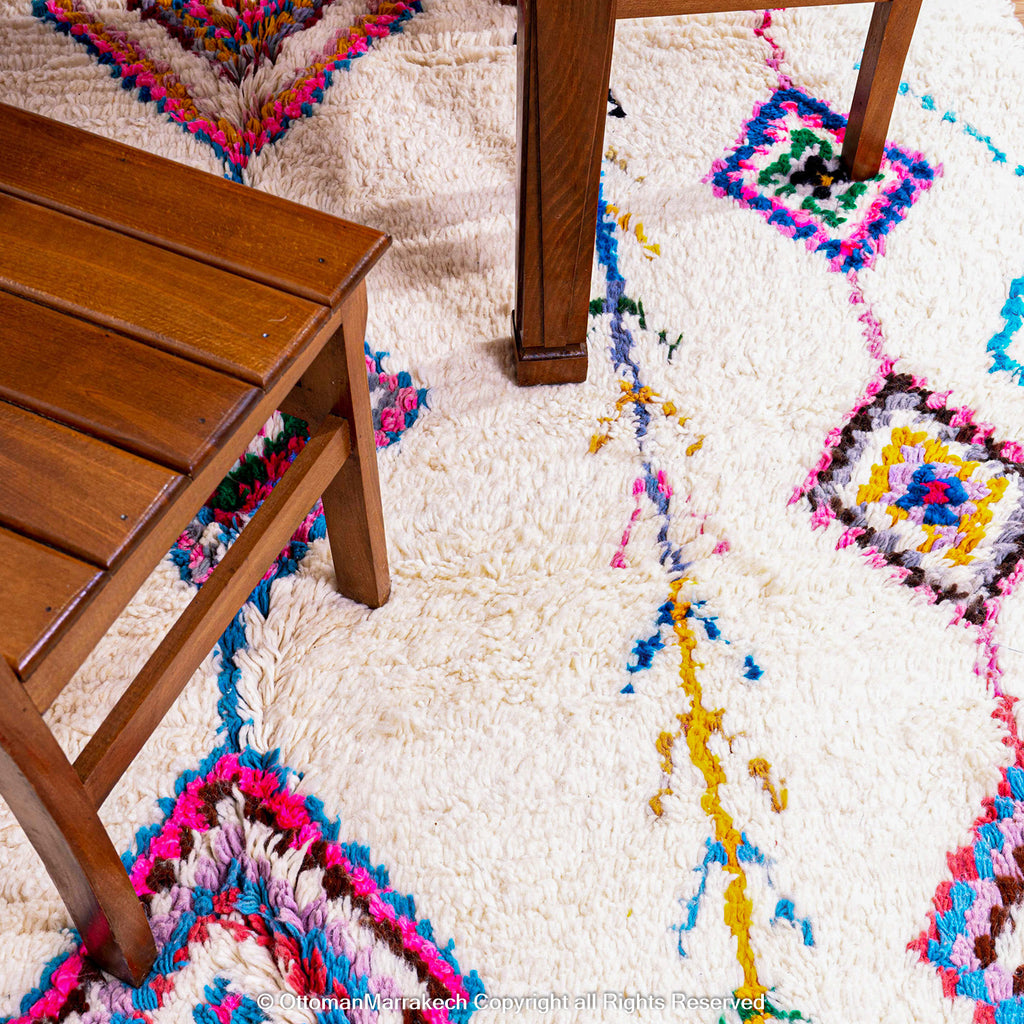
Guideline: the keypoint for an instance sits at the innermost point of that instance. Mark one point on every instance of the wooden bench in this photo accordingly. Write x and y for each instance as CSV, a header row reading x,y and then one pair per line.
x,y
152,318
564,60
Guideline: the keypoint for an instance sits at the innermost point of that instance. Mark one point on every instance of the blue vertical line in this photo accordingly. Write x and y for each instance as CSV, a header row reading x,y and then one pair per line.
x,y
621,352
615,284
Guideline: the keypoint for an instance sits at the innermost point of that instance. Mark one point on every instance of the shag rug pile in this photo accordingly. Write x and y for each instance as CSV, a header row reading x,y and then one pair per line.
x,y
697,695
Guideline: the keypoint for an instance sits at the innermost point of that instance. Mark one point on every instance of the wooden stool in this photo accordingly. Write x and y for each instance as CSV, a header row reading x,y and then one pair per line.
x,y
564,60
152,317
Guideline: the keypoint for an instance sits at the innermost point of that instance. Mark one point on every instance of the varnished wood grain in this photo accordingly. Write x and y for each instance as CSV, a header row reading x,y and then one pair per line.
x,y
155,688
73,492
198,312
39,590
881,68
664,8
219,222
351,501
51,805
564,54
135,396
44,679
565,365
564,61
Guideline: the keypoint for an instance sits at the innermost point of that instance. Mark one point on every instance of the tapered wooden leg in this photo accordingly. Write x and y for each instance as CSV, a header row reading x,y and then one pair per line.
x,y
889,35
47,797
564,61
336,383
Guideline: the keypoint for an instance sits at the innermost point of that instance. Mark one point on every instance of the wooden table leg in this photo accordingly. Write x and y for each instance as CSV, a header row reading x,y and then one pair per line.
x,y
564,61
337,383
881,67
47,797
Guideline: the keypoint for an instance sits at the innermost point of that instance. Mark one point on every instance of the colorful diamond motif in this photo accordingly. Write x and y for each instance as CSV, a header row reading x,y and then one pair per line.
x,y
395,405
395,402
235,38
786,166
972,938
927,491
237,41
243,858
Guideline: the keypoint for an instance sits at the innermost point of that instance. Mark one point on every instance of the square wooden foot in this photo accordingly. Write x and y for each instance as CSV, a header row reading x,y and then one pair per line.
x,y
550,365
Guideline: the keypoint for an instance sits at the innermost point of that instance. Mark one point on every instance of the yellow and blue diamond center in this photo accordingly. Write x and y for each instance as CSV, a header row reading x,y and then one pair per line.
x,y
921,483
937,495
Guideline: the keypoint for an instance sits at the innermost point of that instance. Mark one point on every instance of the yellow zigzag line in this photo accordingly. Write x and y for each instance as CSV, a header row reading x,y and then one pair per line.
x,y
698,724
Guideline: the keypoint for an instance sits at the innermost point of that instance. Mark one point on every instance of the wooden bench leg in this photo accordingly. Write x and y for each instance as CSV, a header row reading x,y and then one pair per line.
x,y
47,797
564,62
337,383
889,35
352,506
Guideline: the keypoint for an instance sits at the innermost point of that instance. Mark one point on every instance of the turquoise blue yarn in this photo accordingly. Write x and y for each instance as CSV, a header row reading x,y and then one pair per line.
x,y
1015,777
709,622
785,911
953,922
1004,807
1013,319
991,837
643,652
983,862
950,117
972,985
746,853
1010,1011
246,1012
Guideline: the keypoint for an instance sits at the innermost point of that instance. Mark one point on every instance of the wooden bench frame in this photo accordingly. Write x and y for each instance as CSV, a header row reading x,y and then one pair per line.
x,y
564,63
323,381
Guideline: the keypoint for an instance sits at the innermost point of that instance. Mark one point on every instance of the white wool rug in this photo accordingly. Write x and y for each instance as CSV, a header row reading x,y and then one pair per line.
x,y
696,699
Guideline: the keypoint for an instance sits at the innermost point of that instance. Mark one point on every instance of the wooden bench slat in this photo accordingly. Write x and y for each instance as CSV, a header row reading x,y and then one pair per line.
x,y
39,589
307,253
135,396
114,494
198,312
